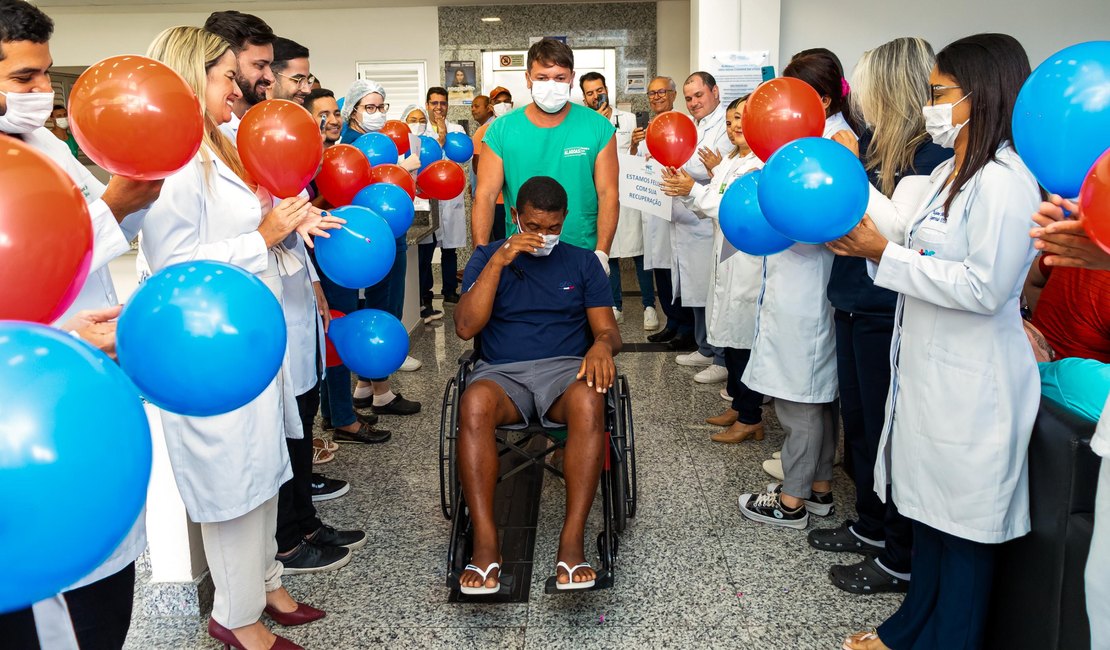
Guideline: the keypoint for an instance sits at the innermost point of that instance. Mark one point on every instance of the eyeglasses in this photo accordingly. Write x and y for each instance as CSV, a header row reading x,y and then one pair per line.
x,y
937,89
380,108
659,93
300,79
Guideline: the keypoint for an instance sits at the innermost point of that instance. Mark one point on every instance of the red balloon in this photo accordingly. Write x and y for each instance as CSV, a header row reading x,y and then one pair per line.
x,y
672,139
398,132
780,111
344,172
280,145
1094,202
394,174
442,180
332,355
136,117
45,235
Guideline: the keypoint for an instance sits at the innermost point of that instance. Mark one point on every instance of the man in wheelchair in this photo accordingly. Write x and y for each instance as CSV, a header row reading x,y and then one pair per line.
x,y
529,300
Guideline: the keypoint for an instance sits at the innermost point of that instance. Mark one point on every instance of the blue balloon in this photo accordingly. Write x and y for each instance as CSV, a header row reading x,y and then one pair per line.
x,y
340,101
742,222
359,254
1061,119
379,149
458,147
389,202
202,338
813,190
430,151
75,457
371,342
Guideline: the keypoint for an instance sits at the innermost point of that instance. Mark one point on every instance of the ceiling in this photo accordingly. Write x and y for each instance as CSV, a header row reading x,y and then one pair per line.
x,y
308,5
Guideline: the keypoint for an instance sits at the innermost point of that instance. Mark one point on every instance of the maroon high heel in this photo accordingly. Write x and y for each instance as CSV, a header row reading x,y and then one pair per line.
x,y
227,637
303,614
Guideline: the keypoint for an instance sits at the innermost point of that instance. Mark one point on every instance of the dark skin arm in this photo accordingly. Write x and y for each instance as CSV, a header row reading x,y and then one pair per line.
x,y
597,367
475,306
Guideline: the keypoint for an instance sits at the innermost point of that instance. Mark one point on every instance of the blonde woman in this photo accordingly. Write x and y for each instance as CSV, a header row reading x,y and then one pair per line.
x,y
228,467
890,85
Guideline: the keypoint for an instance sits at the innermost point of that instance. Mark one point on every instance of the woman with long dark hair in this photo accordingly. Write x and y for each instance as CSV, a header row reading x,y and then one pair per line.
x,y
965,389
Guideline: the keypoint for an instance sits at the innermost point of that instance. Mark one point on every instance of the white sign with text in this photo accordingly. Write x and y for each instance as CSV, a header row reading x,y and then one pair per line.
x,y
641,186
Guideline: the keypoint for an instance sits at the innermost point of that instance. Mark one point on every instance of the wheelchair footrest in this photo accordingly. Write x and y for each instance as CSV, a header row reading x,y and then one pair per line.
x,y
604,580
504,594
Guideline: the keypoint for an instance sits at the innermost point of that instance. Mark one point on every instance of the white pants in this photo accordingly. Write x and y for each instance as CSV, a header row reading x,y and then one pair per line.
x,y
1098,565
241,559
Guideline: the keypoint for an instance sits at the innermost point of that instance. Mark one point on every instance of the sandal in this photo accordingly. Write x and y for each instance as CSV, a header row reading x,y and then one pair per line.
x,y
570,583
857,638
866,577
321,456
483,590
324,443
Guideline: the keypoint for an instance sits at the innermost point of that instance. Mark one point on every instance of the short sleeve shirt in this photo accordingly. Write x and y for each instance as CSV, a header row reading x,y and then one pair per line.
x,y
539,311
567,152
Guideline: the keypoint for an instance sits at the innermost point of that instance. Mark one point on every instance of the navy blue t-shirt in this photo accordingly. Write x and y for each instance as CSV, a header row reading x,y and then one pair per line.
x,y
540,308
850,288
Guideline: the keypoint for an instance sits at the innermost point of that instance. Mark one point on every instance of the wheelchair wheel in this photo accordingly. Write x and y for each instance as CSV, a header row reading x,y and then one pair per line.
x,y
630,489
448,436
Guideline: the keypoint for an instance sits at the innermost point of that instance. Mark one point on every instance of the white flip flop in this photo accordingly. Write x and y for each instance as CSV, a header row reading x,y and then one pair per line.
x,y
861,637
570,583
483,590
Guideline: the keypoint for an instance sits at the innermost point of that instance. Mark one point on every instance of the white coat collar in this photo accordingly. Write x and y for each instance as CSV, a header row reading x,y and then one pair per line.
x,y
713,119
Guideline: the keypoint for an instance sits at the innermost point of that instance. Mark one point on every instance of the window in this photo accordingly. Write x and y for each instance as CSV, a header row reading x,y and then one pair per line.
x,y
405,82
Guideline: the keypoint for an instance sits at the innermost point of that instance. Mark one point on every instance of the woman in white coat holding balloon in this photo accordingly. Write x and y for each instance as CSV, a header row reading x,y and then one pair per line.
x,y
965,389
229,467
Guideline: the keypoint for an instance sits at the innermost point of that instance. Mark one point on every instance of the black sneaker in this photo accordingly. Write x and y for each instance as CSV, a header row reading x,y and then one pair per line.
x,y
662,336
328,536
313,558
430,314
684,343
840,540
817,504
369,418
326,489
767,509
451,298
867,577
366,435
399,406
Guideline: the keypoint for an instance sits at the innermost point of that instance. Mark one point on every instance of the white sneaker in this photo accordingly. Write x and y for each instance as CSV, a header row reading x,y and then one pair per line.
x,y
774,468
695,358
619,315
651,319
711,375
411,364
777,455
725,396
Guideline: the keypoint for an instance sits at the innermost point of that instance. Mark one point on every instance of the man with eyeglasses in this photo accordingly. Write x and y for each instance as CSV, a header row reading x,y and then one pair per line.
x,y
292,78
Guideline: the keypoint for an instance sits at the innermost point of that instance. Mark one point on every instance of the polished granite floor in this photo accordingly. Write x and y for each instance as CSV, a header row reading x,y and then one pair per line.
x,y
692,573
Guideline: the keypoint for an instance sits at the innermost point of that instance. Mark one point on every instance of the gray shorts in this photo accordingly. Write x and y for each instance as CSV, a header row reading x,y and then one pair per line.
x,y
533,386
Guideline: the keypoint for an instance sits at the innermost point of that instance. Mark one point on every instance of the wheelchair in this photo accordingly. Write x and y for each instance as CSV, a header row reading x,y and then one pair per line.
x,y
617,480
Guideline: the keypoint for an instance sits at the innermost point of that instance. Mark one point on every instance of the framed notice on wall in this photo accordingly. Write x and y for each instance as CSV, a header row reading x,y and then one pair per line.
x,y
460,79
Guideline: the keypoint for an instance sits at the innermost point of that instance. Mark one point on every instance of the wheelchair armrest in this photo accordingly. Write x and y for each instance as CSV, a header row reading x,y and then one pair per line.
x,y
468,357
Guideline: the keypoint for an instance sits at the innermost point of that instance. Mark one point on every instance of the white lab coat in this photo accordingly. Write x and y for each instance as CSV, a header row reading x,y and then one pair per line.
x,y
110,240
628,240
734,291
964,387
225,465
452,214
691,237
794,351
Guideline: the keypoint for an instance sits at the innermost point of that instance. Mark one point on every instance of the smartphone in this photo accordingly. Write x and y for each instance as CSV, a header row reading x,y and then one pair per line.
x,y
641,119
602,99
323,123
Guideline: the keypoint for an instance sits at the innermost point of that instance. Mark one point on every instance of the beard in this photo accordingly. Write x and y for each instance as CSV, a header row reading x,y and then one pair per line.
x,y
251,94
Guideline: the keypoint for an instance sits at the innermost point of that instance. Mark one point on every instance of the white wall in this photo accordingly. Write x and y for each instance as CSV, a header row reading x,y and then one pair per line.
x,y
848,27
337,38
672,41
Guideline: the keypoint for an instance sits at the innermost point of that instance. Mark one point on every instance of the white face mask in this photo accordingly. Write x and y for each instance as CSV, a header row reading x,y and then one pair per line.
x,y
26,111
502,109
372,121
938,123
418,128
549,242
550,96
62,123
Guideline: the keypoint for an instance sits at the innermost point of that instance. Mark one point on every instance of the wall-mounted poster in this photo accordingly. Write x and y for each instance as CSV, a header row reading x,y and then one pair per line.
x,y
460,79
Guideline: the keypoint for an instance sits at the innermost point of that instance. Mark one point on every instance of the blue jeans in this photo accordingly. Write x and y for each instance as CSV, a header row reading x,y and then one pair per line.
x,y
647,286
701,337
